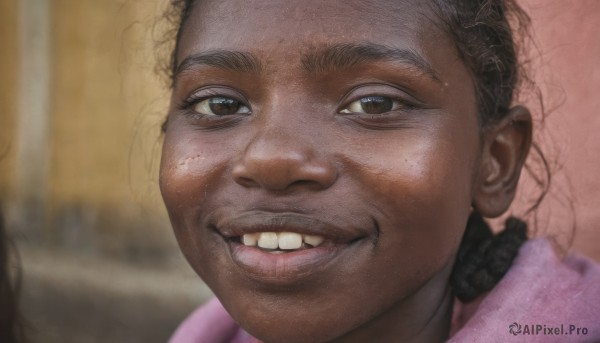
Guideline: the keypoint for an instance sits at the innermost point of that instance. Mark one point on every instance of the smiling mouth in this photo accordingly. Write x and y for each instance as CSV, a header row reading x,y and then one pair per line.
x,y
281,249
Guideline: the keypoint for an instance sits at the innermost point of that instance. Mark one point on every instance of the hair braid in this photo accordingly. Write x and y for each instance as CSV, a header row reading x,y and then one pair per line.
x,y
483,258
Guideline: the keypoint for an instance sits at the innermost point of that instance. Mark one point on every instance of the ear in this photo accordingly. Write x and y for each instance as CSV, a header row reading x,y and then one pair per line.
x,y
505,148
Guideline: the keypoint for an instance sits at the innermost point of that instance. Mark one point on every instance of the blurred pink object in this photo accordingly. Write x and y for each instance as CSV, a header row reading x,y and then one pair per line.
x,y
539,289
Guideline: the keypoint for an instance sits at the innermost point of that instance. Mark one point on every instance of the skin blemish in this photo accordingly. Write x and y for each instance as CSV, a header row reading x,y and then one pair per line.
x,y
191,159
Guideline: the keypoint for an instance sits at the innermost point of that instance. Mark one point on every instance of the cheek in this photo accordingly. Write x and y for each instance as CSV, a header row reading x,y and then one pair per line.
x,y
190,168
188,175
184,174
422,193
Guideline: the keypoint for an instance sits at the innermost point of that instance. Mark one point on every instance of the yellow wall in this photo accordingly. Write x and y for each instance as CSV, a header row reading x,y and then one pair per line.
x,y
8,92
106,107
103,85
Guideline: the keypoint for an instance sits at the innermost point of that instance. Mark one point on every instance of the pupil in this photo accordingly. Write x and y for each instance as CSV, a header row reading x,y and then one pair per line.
x,y
376,104
223,106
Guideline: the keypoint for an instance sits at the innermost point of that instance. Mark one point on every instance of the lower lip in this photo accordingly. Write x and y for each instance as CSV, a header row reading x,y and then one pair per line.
x,y
282,269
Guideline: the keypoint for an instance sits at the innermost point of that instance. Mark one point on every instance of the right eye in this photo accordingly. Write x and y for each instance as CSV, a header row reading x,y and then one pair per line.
x,y
372,105
220,106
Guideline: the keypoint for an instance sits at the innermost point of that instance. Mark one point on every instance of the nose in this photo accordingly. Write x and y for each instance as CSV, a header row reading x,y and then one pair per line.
x,y
279,161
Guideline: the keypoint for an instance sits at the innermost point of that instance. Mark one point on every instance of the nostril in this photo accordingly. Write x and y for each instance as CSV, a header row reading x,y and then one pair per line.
x,y
307,184
242,176
246,182
321,173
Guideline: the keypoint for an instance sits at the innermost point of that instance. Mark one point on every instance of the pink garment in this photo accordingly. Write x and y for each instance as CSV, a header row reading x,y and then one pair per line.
x,y
539,289
537,295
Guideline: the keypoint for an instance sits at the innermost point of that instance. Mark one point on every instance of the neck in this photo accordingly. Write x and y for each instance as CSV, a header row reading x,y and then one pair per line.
x,y
423,317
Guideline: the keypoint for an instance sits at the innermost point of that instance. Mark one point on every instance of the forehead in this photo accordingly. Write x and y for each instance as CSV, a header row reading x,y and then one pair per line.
x,y
288,25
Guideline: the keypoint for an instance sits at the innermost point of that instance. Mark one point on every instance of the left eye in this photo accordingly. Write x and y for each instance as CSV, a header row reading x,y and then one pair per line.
x,y
371,105
221,106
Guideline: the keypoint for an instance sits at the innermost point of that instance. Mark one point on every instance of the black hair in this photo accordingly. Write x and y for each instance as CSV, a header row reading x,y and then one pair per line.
x,y
490,47
490,38
487,44
484,258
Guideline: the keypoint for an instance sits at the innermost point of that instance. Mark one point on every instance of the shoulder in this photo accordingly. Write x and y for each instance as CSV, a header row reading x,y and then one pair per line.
x,y
542,292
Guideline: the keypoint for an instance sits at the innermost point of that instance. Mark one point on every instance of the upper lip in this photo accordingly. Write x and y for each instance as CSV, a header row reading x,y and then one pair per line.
x,y
259,221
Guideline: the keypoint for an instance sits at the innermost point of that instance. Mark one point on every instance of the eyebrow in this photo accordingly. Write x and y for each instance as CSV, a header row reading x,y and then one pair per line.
x,y
239,61
339,56
343,56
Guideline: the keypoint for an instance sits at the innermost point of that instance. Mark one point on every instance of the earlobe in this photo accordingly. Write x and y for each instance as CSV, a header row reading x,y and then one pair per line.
x,y
505,148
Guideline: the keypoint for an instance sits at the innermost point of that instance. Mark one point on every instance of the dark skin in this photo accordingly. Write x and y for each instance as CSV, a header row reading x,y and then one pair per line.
x,y
265,122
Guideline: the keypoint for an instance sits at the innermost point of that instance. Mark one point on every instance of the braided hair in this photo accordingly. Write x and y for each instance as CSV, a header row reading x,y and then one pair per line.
x,y
483,258
489,36
490,48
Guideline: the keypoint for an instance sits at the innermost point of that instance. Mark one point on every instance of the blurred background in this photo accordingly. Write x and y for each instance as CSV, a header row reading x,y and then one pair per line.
x,y
80,111
81,105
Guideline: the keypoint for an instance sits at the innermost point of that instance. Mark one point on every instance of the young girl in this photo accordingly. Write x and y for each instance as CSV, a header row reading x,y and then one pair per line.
x,y
327,166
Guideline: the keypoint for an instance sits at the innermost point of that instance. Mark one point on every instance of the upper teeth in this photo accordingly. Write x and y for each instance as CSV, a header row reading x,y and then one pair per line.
x,y
281,240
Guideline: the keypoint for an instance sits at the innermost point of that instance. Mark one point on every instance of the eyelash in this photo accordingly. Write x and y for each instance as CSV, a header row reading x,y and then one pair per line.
x,y
193,100
398,105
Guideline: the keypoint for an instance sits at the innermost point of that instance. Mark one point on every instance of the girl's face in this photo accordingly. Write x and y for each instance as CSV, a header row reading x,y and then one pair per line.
x,y
354,122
